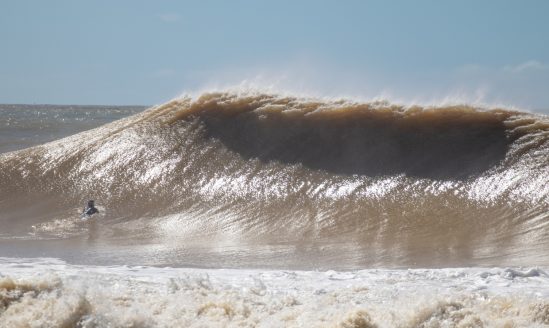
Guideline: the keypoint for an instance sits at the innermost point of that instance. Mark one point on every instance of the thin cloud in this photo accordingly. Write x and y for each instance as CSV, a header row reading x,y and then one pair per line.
x,y
531,65
527,66
169,17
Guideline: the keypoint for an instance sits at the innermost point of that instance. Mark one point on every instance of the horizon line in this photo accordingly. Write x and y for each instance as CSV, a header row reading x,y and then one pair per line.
x,y
68,105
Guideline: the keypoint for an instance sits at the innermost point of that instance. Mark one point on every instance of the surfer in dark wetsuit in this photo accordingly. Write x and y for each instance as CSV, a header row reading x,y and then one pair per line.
x,y
90,209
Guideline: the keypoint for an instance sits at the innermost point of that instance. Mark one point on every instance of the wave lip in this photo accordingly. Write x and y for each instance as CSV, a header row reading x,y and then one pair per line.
x,y
372,139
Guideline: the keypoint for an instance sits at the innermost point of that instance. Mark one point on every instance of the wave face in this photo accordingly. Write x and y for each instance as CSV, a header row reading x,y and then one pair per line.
x,y
315,183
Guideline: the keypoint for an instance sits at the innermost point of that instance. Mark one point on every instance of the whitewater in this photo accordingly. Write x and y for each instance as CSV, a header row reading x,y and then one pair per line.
x,y
66,295
263,209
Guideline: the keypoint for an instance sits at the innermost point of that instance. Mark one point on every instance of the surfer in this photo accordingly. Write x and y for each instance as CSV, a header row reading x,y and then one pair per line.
x,y
90,209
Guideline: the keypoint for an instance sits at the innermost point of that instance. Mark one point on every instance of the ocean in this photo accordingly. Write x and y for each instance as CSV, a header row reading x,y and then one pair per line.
x,y
245,209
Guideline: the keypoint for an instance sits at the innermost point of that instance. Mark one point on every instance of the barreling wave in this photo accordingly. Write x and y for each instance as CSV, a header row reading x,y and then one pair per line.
x,y
397,185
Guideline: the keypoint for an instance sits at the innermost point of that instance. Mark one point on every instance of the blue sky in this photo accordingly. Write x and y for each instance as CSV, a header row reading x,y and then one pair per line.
x,y
146,52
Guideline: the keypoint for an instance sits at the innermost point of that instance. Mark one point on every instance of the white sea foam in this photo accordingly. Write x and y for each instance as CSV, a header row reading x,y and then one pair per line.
x,y
51,293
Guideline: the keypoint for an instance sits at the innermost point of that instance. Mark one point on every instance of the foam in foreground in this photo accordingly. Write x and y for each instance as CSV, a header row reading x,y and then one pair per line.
x,y
51,293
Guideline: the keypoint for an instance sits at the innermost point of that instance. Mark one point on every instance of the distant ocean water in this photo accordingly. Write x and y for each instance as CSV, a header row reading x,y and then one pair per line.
x,y
23,126
267,181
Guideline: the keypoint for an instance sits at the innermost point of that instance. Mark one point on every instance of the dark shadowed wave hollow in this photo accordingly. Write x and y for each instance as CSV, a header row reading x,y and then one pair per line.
x,y
343,182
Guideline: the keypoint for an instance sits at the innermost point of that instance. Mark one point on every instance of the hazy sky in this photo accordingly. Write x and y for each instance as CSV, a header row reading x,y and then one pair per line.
x,y
146,52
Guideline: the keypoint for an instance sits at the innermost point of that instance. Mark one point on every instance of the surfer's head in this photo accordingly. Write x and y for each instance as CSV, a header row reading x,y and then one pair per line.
x,y
91,203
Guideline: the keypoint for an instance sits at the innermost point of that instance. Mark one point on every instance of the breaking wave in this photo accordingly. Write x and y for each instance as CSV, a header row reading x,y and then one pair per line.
x,y
365,183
